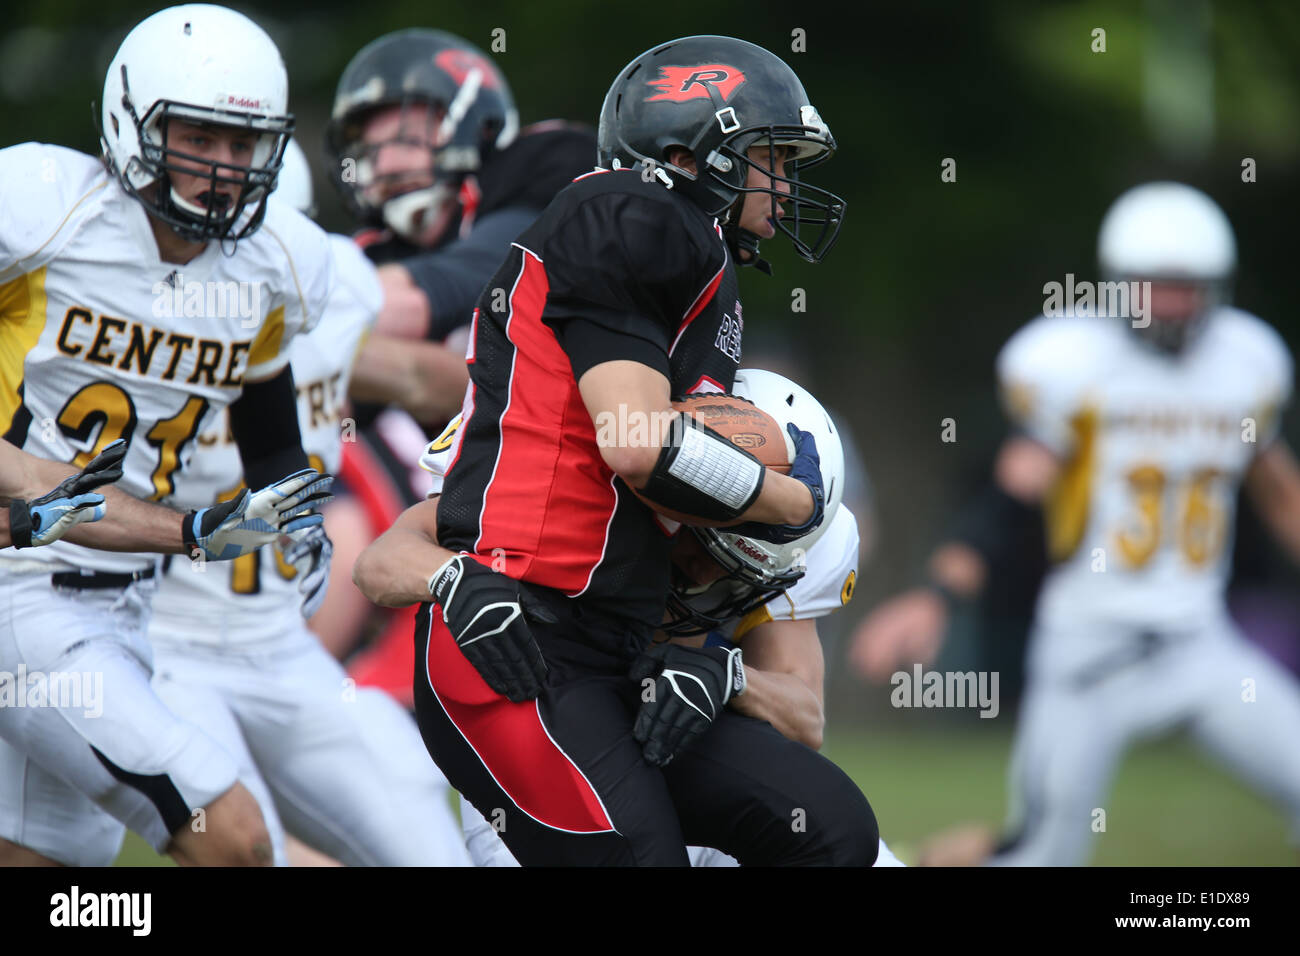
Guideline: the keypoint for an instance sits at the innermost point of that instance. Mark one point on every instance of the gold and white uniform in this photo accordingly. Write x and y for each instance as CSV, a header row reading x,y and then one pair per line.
x,y
100,339
1132,636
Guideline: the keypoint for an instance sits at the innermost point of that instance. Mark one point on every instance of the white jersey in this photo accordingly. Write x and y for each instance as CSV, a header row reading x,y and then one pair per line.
x,y
102,339
1140,523
255,598
826,586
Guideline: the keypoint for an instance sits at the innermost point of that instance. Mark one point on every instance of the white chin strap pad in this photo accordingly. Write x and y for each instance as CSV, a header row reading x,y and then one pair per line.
x,y
411,213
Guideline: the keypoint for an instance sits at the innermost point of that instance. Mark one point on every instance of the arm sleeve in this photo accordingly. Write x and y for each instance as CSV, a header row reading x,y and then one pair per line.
x,y
623,271
264,421
452,278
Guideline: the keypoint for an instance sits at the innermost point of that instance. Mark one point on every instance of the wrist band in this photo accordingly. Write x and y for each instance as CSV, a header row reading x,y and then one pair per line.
x,y
20,523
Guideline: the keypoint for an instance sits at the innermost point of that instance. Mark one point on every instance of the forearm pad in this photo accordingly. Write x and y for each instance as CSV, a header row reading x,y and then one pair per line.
x,y
264,422
702,474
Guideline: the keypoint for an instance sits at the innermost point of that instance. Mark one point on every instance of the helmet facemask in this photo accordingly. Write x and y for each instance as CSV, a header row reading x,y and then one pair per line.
x,y
744,586
148,176
808,215
1173,335
419,203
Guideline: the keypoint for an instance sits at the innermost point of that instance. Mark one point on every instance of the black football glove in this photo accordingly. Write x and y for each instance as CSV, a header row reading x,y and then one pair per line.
x,y
806,467
692,685
47,518
488,614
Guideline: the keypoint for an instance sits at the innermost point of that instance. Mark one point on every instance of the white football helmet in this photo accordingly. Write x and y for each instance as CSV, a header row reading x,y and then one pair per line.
x,y
757,570
1172,232
201,64
294,184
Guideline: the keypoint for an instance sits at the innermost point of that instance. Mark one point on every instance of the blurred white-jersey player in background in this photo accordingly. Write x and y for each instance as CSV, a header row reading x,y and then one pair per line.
x,y
1136,433
728,590
345,766
141,294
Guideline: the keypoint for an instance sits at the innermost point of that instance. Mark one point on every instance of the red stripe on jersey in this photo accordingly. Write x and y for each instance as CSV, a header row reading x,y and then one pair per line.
x,y
368,237
706,385
701,300
549,501
511,741
470,196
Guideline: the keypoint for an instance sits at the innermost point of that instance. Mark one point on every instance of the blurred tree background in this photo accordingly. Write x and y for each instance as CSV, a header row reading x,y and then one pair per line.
x,y
929,278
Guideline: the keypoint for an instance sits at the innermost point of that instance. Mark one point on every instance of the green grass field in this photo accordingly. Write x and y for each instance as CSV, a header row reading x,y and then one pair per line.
x,y
1170,807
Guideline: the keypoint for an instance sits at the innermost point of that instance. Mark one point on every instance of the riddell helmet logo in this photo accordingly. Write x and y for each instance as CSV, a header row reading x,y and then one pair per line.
x,y
247,102
681,83
458,63
750,550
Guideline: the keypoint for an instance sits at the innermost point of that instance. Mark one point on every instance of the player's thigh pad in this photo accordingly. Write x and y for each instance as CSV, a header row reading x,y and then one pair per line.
x,y
562,774
1249,718
743,788
42,813
179,683
1068,742
114,741
346,766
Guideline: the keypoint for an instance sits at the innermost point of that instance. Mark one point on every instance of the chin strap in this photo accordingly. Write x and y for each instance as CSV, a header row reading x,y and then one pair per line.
x,y
742,240
401,213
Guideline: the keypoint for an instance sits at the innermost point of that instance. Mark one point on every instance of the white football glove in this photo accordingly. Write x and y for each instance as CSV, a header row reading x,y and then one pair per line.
x,y
248,521
310,553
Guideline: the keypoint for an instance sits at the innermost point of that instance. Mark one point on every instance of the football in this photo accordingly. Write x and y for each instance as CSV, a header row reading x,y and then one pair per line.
x,y
745,425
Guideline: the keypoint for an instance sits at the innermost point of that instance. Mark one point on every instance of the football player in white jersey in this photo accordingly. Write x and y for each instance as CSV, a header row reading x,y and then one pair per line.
x,y
729,590
343,768
141,293
1135,435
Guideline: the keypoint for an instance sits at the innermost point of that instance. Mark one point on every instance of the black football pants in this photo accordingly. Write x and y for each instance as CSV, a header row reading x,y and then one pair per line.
x,y
564,782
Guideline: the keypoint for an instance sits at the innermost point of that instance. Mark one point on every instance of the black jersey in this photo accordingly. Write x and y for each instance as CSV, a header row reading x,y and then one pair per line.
x,y
615,268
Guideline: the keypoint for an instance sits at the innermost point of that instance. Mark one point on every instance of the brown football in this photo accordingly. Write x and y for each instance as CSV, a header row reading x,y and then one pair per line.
x,y
744,424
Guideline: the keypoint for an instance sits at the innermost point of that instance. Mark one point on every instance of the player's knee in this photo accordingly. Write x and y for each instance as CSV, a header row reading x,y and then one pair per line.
x,y
12,854
847,832
856,840
230,832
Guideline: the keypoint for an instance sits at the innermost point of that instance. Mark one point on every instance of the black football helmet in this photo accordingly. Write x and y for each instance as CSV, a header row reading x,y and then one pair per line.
x,y
719,96
473,115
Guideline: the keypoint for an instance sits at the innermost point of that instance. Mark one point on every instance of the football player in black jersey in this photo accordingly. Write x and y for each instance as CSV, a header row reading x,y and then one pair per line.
x,y
426,152
533,689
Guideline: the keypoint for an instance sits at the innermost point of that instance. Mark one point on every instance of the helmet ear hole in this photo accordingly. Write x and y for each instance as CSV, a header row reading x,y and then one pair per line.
x,y
681,157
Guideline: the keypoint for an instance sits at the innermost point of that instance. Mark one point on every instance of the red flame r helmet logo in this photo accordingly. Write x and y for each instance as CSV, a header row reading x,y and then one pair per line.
x,y
681,83
459,62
